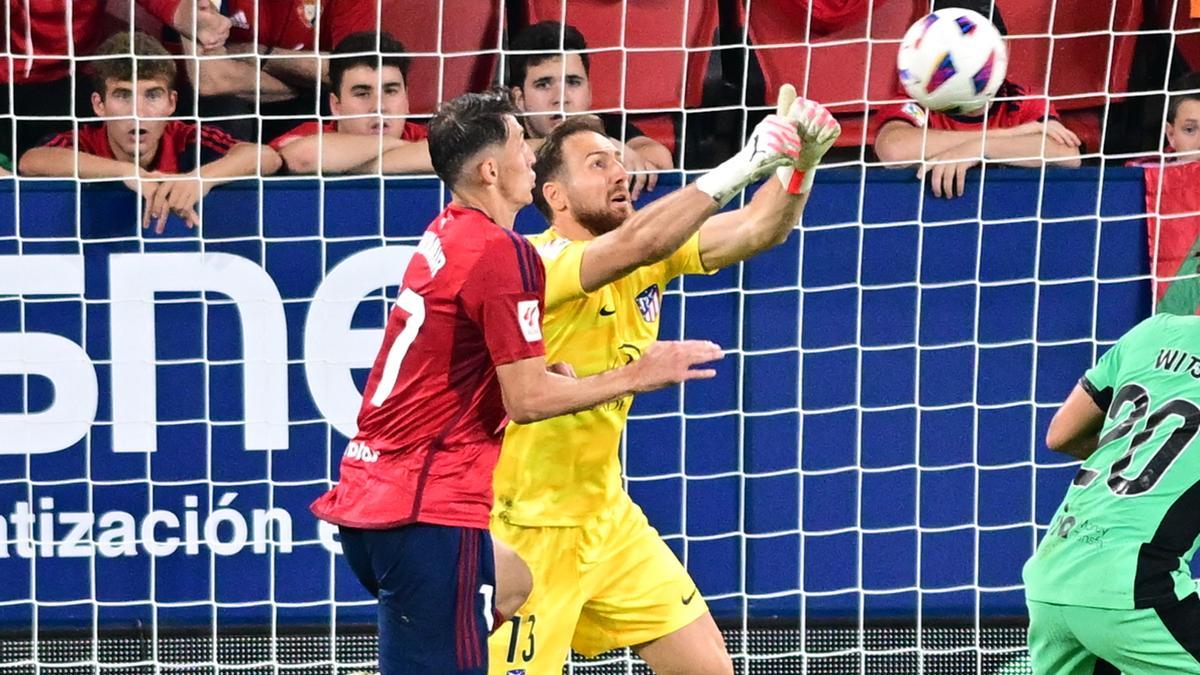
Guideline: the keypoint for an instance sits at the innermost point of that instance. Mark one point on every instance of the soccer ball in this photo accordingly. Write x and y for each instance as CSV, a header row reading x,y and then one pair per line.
x,y
952,60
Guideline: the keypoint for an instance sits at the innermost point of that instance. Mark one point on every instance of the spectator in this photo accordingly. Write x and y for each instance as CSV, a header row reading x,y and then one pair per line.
x,y
42,46
550,80
1183,118
287,75
369,99
138,140
1012,130
827,16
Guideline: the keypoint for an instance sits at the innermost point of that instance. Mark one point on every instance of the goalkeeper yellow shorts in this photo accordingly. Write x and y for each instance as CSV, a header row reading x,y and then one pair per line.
x,y
608,584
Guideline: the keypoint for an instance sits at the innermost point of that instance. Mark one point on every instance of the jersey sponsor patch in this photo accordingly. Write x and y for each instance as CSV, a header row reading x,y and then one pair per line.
x,y
361,451
649,303
530,319
915,112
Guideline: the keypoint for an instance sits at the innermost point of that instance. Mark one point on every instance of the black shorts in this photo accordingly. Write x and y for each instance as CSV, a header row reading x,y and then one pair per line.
x,y
436,589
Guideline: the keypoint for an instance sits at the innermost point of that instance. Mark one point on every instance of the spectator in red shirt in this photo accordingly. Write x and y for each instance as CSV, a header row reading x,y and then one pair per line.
x,y
287,75
1183,119
555,82
178,162
42,46
1016,126
369,99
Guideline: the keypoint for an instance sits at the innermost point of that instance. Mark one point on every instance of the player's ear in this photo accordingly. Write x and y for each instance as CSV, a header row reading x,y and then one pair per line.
x,y
335,103
488,171
1170,133
518,97
173,98
555,195
98,104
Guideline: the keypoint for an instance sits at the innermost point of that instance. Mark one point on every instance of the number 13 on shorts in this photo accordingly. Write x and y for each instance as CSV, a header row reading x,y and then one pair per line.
x,y
521,642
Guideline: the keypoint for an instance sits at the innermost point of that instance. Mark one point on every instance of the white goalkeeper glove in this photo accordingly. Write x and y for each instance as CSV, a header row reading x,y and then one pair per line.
x,y
773,144
817,130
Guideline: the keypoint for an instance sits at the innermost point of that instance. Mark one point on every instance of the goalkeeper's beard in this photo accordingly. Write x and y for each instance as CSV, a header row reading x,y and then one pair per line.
x,y
601,221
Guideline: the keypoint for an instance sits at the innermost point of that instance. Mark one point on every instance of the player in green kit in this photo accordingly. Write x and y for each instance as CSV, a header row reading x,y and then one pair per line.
x,y
1110,587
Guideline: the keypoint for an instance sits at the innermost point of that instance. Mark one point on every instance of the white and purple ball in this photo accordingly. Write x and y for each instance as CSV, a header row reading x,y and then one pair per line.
x,y
952,60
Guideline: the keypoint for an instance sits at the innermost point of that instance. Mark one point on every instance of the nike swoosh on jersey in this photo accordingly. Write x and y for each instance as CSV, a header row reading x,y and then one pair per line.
x,y
604,311
688,599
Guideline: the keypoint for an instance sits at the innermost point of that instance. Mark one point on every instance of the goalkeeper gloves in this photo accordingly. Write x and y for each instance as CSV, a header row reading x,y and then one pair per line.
x,y
774,144
817,130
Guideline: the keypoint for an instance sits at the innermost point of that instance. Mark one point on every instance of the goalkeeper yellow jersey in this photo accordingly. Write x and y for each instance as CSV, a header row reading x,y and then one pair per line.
x,y
564,470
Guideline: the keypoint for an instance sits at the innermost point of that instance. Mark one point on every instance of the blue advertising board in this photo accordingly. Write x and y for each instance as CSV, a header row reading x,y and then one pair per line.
x,y
170,405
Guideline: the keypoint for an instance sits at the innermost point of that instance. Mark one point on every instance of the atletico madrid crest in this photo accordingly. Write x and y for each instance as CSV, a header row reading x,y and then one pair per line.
x,y
649,303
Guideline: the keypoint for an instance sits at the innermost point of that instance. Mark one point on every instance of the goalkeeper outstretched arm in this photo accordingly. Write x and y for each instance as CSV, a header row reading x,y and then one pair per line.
x,y
790,144
775,209
574,155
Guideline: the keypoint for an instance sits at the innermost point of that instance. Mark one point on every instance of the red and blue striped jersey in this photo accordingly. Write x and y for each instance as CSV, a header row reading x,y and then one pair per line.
x,y
432,416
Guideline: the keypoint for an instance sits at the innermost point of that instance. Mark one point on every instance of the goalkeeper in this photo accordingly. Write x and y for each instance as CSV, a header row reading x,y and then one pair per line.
x,y
602,577
1110,588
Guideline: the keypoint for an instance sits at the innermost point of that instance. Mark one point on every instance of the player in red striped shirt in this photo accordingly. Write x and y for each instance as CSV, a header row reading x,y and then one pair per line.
x,y
368,74
139,140
462,354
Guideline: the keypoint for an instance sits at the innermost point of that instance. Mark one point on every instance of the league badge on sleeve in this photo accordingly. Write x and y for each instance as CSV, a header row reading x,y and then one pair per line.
x,y
916,113
530,320
649,303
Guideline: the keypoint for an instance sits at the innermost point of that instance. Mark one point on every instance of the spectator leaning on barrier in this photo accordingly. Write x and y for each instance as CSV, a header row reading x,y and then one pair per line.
x,y
948,145
43,45
548,75
368,75
177,162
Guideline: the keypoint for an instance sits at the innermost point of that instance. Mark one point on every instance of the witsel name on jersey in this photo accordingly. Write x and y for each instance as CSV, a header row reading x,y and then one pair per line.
x,y
1177,360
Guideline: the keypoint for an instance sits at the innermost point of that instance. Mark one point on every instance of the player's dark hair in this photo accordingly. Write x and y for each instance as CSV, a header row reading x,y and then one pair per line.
x,y
1188,86
988,8
465,125
366,48
550,155
549,40
123,47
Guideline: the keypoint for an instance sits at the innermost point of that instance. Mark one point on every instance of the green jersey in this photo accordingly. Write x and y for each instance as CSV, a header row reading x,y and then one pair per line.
x,y
1124,535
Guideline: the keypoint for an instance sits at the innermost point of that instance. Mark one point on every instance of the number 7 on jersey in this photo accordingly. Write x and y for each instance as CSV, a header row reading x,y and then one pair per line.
x,y
414,305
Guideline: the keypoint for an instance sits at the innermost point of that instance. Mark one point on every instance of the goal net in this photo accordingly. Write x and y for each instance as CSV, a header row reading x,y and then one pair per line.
x,y
856,491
